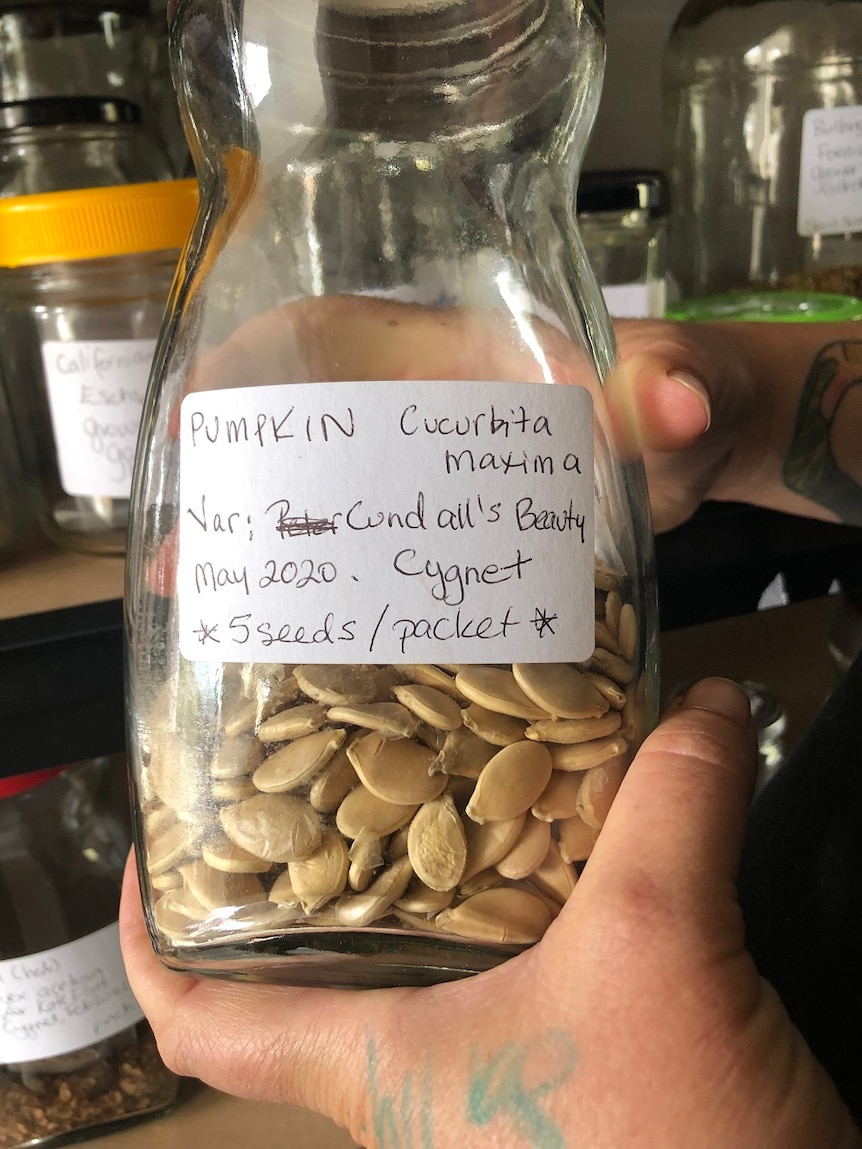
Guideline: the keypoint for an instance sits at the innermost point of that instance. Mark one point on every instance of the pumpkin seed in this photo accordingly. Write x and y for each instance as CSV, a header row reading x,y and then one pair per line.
x,y
388,718
511,782
223,854
322,875
612,666
464,755
333,783
425,675
559,690
297,762
576,839
396,770
559,799
437,844
293,723
430,705
497,729
215,889
236,757
585,755
598,789
573,731
357,910
489,842
555,877
529,852
628,632
505,915
336,685
497,690
362,810
276,827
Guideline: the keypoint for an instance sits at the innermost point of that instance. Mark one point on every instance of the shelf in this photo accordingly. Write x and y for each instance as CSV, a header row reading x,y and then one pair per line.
x,y
61,659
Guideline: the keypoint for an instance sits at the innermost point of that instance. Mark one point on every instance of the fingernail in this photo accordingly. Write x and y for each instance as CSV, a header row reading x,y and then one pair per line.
x,y
720,696
693,384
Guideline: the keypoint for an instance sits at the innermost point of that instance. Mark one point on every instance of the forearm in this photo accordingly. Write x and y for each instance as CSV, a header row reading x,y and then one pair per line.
x,y
801,449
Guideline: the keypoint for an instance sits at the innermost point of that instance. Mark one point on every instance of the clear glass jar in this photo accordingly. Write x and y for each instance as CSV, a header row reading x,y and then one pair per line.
x,y
622,216
391,601
84,278
88,48
75,142
76,1056
763,140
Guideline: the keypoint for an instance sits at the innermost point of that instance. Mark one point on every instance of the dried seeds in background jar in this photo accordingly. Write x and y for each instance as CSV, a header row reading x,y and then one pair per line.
x,y
391,610
76,1056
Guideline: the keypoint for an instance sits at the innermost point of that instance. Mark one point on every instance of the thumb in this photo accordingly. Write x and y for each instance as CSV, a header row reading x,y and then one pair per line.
x,y
678,822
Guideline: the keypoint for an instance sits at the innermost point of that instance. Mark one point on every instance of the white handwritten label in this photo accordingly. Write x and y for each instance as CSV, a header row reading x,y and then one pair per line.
x,y
830,181
96,393
64,999
387,522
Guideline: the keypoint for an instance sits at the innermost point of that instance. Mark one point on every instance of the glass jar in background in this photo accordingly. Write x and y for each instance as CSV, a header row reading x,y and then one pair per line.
x,y
391,593
763,145
84,279
622,217
87,48
61,143
76,1056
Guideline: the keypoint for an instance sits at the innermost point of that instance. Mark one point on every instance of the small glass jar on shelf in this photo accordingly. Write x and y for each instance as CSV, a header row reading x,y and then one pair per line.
x,y
622,216
84,279
76,1056
762,122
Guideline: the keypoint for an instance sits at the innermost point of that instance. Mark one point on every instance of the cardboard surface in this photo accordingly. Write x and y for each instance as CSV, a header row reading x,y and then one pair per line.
x,y
41,578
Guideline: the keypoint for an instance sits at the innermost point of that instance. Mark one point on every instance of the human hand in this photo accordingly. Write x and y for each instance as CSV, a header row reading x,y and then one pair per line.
x,y
685,395
639,1020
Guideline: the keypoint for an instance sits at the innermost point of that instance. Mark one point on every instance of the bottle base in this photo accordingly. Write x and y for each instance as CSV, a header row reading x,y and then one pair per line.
x,y
340,959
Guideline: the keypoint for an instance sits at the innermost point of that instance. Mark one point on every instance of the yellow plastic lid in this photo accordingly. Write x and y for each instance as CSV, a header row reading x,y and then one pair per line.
x,y
96,223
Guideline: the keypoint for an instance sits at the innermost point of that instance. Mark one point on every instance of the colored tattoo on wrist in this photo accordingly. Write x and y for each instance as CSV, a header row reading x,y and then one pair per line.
x,y
507,1090
831,398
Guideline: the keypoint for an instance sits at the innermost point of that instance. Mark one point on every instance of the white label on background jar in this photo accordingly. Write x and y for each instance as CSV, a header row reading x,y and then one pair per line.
x,y
830,181
636,300
64,999
387,522
96,393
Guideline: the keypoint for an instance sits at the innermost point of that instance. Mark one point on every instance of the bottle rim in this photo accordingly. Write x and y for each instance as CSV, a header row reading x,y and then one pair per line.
x,y
96,223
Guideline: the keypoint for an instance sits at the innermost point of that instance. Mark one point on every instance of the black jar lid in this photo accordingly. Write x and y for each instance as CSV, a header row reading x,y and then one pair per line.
x,y
54,111
624,190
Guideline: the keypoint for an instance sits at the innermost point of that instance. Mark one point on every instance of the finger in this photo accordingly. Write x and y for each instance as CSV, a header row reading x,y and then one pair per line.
x,y
678,822
656,408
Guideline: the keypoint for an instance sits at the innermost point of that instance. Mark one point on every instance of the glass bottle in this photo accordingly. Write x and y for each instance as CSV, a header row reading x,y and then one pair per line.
x,y
763,140
379,556
89,48
76,1056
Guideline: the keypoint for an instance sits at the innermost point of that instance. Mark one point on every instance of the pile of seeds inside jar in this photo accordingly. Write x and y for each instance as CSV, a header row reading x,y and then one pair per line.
x,y
431,798
93,1087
